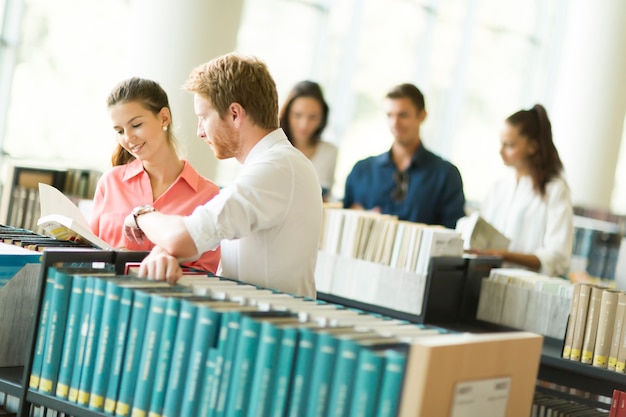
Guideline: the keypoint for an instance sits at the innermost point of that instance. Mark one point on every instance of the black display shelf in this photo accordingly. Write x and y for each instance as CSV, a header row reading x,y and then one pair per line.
x,y
11,380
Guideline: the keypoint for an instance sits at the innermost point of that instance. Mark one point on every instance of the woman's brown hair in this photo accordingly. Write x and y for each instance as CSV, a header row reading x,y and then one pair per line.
x,y
545,164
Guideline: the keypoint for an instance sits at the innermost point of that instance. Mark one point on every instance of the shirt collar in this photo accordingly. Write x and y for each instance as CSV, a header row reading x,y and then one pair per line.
x,y
188,174
133,169
266,142
418,158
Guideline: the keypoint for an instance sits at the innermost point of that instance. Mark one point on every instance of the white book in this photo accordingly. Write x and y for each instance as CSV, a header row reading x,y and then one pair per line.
x,y
63,220
478,233
437,241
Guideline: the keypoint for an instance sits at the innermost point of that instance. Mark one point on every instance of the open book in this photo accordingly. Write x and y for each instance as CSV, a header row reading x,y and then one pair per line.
x,y
477,233
63,220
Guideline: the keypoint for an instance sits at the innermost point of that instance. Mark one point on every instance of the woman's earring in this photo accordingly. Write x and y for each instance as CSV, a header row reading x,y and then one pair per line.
x,y
165,128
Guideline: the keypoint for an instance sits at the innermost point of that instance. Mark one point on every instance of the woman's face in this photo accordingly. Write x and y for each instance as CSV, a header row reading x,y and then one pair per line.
x,y
515,148
139,131
305,116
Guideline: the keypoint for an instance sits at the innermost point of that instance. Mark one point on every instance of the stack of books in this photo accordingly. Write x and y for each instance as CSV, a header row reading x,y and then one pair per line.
x,y
595,333
128,346
385,240
526,300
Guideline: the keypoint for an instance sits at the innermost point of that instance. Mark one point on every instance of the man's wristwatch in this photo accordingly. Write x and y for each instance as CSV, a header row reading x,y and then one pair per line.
x,y
139,210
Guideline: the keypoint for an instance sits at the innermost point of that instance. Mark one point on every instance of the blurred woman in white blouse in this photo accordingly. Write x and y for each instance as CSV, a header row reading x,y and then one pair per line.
x,y
531,205
303,117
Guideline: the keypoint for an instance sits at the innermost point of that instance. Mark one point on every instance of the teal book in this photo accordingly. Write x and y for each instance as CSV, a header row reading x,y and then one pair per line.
x,y
166,345
339,401
392,381
366,383
136,331
55,332
286,358
72,330
106,345
242,368
212,381
264,374
91,345
180,359
149,356
119,350
298,398
204,337
37,362
81,343
205,395
232,322
321,374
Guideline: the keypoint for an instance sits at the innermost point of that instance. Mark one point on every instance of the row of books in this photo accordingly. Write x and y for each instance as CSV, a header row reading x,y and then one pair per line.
x,y
526,300
212,346
34,241
20,197
384,239
595,334
545,405
133,347
596,247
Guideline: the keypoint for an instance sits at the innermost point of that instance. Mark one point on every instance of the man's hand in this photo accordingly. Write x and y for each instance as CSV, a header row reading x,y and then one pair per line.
x,y
131,231
160,265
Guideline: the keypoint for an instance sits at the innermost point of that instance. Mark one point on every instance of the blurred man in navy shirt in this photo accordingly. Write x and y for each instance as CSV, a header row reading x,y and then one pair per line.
x,y
407,181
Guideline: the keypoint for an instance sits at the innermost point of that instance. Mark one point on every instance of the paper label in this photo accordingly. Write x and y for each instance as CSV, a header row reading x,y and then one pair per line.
x,y
484,398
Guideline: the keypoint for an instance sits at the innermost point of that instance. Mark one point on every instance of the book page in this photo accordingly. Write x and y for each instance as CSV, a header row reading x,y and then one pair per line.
x,y
62,219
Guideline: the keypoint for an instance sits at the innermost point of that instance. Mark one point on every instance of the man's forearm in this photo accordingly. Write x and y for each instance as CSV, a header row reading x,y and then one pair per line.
x,y
168,232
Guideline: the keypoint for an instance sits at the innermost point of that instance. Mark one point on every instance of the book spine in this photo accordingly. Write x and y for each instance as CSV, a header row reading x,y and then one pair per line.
x,y
302,371
95,322
164,358
286,358
343,377
264,373
321,374
391,386
59,305
243,365
569,333
606,320
212,382
204,334
136,330
81,343
591,325
149,356
180,359
207,383
618,331
72,331
367,378
581,318
37,362
106,344
233,325
117,357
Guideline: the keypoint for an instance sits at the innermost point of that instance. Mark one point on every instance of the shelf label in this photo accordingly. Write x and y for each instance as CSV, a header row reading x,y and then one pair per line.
x,y
485,398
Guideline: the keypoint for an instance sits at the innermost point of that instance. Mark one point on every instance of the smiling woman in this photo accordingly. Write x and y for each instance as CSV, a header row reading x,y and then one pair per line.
x,y
147,170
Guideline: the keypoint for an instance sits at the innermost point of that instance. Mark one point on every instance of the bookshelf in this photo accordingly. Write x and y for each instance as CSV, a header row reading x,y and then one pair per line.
x,y
451,301
14,382
20,196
